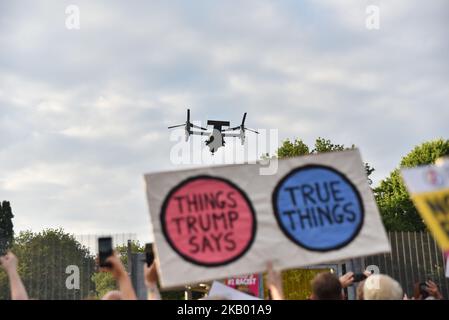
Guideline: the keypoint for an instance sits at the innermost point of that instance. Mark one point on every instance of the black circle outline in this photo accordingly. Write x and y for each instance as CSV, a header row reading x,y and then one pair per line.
x,y
294,240
187,258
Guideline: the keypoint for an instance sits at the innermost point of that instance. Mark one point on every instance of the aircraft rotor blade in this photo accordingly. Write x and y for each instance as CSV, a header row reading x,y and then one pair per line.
x,y
243,120
235,128
188,115
179,125
252,130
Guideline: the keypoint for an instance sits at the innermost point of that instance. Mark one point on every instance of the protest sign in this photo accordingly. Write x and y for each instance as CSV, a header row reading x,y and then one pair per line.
x,y
221,291
216,213
217,222
429,190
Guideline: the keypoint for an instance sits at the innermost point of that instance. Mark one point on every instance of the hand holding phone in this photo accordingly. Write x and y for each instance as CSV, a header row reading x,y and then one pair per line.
x,y
359,277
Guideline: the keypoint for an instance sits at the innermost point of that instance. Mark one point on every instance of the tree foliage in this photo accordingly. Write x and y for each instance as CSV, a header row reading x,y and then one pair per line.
x,y
43,261
6,227
397,210
104,282
299,148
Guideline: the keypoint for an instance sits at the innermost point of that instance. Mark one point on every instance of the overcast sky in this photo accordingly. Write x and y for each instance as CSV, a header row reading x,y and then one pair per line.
x,y
84,113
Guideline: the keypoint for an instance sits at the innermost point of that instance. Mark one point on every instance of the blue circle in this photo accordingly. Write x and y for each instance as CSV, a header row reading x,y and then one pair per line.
x,y
318,208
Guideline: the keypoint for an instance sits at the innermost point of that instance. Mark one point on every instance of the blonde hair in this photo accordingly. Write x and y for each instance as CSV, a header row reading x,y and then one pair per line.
x,y
382,287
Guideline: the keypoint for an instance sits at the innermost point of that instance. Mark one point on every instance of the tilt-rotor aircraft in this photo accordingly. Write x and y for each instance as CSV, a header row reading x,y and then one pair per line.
x,y
220,130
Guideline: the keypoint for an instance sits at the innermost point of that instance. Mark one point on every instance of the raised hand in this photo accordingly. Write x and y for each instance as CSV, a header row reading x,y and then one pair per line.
x,y
347,279
150,275
9,262
433,290
274,283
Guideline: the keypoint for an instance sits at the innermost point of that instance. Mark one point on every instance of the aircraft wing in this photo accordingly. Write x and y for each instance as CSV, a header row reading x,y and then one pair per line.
x,y
200,133
231,135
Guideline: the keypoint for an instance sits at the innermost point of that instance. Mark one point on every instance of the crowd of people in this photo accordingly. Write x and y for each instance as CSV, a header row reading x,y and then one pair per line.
x,y
325,285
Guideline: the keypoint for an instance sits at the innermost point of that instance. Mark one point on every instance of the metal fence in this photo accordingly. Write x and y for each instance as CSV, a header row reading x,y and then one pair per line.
x,y
90,241
46,267
415,257
58,268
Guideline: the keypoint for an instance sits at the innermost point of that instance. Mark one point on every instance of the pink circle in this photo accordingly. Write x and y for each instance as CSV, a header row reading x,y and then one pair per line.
x,y
208,221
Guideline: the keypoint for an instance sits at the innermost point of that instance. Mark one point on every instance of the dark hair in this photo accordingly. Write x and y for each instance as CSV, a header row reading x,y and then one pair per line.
x,y
326,286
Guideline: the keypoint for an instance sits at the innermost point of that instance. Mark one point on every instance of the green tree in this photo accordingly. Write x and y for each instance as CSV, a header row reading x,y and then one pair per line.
x,y
43,261
397,210
299,148
104,282
6,227
292,149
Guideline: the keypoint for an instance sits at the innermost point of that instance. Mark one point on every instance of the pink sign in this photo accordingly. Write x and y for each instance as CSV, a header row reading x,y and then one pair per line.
x,y
249,284
208,220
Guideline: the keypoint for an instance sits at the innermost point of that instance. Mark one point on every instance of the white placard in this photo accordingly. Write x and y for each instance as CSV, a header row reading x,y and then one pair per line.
x,y
216,222
222,291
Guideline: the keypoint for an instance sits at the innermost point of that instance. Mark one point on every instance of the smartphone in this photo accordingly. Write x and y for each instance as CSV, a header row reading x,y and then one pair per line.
x,y
423,290
149,254
104,250
359,277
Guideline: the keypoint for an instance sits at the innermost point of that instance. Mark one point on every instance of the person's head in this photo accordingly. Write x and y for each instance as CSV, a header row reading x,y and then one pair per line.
x,y
326,286
382,287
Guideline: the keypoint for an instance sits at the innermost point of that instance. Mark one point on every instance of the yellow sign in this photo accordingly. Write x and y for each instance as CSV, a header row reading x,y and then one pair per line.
x,y
434,209
429,189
